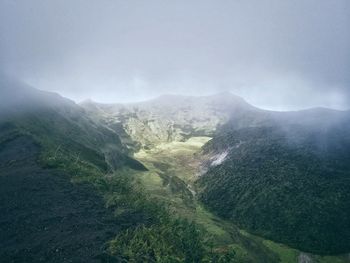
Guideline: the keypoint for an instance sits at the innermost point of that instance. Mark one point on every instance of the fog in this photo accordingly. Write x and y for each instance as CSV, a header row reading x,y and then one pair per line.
x,y
278,55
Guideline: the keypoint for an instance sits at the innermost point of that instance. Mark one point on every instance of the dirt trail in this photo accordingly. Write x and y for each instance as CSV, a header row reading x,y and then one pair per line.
x,y
44,217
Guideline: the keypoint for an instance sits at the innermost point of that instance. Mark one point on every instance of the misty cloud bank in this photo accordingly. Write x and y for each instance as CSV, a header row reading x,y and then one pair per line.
x,y
276,54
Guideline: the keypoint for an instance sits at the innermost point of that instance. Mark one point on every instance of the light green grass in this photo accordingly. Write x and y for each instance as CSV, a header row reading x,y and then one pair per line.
x,y
177,156
213,225
290,255
286,254
179,160
330,259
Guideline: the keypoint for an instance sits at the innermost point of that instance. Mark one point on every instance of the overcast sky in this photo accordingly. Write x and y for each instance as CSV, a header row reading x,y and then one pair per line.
x,y
276,54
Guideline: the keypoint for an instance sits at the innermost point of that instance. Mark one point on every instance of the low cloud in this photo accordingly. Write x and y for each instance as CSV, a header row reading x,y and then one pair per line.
x,y
276,54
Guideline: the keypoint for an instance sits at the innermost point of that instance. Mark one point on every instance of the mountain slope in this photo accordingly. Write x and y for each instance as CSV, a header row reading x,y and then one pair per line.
x,y
282,175
69,189
289,183
62,128
44,217
47,143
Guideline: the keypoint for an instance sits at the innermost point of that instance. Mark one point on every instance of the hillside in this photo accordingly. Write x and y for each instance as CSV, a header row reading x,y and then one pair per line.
x,y
139,173
46,218
62,128
288,184
281,175
47,142
69,191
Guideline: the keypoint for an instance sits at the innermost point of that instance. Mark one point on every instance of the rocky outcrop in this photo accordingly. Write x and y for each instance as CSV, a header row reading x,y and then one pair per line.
x,y
170,117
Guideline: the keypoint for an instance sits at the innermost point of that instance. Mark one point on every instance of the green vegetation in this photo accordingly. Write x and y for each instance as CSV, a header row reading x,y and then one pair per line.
x,y
150,234
180,159
266,186
291,188
91,153
171,241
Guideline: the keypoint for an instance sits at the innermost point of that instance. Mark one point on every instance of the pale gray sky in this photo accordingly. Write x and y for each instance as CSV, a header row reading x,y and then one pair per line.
x,y
277,54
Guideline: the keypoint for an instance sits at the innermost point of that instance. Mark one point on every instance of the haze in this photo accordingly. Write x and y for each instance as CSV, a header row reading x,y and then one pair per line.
x,y
276,54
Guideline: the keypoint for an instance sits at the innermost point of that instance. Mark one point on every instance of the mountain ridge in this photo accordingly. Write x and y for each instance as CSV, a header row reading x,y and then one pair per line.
x,y
49,150
92,139
288,145
177,117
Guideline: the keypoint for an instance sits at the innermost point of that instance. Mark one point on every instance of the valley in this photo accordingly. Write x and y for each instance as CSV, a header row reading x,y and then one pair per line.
x,y
174,131
183,141
173,169
174,179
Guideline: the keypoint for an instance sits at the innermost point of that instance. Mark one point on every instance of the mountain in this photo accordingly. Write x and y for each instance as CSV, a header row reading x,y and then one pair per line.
x,y
285,178
52,159
62,128
176,118
72,189
68,190
281,175
167,118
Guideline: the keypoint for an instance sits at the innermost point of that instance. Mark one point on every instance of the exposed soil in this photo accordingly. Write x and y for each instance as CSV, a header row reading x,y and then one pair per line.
x,y
46,218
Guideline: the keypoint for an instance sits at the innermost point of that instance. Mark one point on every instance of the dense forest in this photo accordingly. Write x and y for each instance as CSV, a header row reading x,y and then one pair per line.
x,y
289,184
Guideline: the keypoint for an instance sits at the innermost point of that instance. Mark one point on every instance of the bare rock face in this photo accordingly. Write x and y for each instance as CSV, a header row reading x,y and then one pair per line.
x,y
170,117
304,258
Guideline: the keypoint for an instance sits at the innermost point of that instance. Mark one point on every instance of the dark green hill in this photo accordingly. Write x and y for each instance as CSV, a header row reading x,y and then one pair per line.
x,y
46,218
46,143
67,135
287,183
